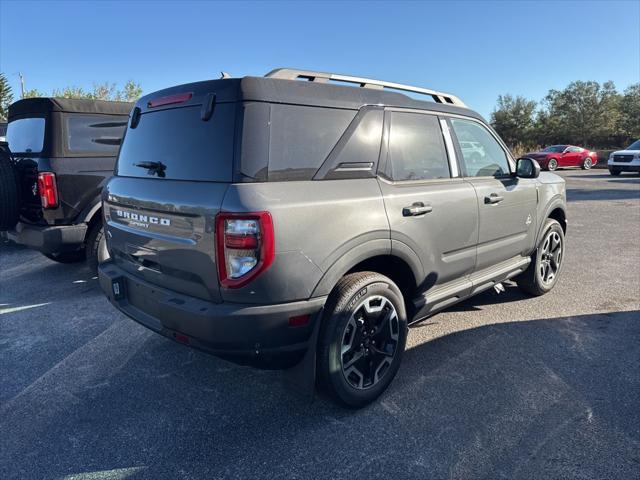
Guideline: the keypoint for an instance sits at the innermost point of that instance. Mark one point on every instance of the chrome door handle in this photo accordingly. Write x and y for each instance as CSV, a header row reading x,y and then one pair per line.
x,y
493,198
416,209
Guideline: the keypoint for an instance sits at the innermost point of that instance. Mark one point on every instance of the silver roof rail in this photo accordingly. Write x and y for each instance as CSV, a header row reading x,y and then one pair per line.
x,y
323,77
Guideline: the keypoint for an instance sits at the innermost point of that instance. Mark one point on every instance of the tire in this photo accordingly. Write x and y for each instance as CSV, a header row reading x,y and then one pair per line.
x,y
587,163
350,313
546,261
67,257
96,248
552,165
9,192
614,171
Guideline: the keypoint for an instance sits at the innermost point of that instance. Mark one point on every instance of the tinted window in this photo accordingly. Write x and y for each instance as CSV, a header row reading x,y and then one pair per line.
x,y
301,138
555,149
95,133
181,144
487,158
26,135
356,154
575,149
416,148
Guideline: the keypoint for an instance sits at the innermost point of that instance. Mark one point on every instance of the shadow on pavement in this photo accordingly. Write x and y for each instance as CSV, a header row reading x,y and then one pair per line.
x,y
552,398
582,194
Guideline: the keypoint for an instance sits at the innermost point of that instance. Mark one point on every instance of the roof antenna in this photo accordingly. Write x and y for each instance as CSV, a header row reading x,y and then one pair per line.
x,y
224,75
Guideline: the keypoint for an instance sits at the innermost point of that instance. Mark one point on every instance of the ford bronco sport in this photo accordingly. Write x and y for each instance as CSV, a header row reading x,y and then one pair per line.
x,y
292,219
64,151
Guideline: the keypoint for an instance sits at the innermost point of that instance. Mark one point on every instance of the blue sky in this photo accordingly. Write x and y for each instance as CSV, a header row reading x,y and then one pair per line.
x,y
476,50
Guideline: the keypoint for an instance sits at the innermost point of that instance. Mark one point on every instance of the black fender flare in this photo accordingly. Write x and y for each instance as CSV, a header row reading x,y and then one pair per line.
x,y
90,211
556,202
364,251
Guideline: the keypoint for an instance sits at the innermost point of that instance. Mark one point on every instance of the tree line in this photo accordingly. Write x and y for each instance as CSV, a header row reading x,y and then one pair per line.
x,y
129,92
588,114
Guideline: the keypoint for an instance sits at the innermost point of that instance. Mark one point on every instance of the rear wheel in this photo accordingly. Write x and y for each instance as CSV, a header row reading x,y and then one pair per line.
x,y
96,249
614,171
364,332
9,192
552,165
543,271
587,163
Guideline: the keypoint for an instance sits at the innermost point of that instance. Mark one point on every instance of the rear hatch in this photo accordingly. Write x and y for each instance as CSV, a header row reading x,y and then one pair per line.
x,y
174,167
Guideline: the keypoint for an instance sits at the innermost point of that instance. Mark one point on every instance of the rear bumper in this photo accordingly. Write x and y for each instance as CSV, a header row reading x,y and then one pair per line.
x,y
49,239
257,335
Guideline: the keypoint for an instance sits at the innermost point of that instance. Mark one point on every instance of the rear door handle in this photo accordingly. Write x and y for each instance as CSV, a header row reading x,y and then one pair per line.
x,y
416,209
493,198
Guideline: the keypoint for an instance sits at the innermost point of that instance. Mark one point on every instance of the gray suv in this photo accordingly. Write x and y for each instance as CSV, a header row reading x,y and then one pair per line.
x,y
295,221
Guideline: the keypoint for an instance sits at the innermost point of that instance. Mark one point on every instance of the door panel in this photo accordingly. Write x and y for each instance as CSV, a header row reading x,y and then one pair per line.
x,y
445,236
430,212
506,204
507,218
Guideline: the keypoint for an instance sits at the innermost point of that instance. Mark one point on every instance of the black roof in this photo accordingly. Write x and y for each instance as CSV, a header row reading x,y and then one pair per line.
x,y
298,92
43,105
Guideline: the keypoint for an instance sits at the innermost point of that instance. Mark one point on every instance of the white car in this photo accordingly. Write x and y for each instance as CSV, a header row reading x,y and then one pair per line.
x,y
627,160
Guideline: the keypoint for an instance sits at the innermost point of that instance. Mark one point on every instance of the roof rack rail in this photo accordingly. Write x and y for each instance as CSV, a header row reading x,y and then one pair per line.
x,y
323,77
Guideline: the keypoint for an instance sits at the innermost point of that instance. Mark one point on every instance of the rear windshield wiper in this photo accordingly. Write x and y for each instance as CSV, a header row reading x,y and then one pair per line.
x,y
153,168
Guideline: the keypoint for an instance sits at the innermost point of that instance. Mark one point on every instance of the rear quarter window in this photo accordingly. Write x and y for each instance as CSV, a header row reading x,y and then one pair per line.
x,y
95,134
301,138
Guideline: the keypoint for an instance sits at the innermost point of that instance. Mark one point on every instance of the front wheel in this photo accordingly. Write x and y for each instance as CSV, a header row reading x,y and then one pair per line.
x,y
587,163
543,271
363,335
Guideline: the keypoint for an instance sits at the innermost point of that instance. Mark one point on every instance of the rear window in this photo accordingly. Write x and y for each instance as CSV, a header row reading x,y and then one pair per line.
x,y
182,144
99,134
26,135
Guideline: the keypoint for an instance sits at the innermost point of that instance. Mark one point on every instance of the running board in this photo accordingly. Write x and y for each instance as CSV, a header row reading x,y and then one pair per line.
x,y
444,296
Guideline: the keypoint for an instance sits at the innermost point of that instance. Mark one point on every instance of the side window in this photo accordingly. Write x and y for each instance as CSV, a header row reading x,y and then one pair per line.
x,y
301,138
575,150
416,148
95,133
482,155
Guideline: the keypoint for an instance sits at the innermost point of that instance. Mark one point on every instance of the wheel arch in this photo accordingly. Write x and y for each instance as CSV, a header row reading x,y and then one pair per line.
x,y
557,211
92,212
404,272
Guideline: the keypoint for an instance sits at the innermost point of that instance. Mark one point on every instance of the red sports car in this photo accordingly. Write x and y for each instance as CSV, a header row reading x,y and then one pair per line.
x,y
557,156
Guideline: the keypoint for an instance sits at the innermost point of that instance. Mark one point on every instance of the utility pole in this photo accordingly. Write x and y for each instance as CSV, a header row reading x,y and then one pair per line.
x,y
21,84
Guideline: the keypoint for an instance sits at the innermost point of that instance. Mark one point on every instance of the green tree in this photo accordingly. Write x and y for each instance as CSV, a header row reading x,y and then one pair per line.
x,y
629,120
33,93
6,97
513,119
131,92
584,113
102,91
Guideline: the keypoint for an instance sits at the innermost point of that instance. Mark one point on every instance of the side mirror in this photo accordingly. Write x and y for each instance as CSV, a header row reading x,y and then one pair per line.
x,y
527,168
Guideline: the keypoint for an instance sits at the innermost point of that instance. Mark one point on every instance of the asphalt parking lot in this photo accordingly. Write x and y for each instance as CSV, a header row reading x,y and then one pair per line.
x,y
501,386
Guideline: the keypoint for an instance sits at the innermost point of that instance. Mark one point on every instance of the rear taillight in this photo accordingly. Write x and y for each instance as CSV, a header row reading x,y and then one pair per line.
x,y
48,189
245,246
